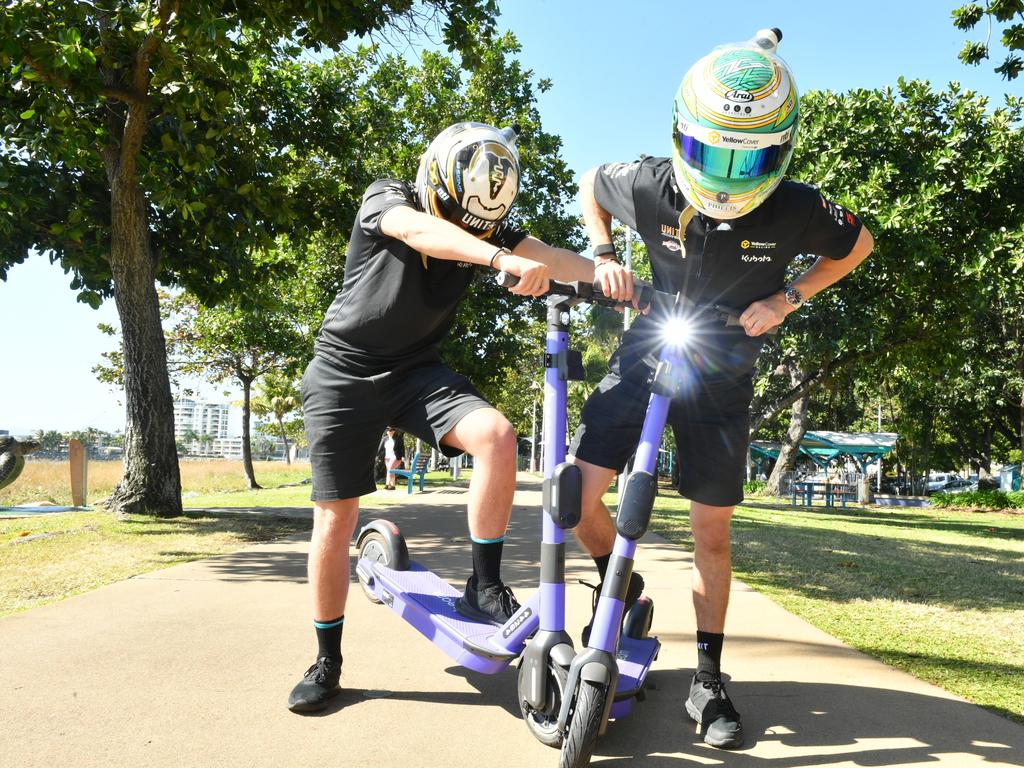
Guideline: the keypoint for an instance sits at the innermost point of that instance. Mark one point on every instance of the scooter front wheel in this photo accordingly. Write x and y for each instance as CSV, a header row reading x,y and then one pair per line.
x,y
375,548
584,726
543,724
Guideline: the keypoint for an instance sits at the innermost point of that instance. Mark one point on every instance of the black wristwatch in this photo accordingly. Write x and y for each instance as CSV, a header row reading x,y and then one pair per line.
x,y
793,297
606,251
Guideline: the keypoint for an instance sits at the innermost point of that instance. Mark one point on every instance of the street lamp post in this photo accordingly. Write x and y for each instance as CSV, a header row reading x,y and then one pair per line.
x,y
534,386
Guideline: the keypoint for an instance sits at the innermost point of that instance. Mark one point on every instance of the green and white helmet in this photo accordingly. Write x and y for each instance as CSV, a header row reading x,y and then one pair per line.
x,y
734,127
469,175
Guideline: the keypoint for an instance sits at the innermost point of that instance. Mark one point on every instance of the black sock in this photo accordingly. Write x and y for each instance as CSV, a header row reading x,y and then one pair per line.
x,y
328,637
602,564
487,561
709,655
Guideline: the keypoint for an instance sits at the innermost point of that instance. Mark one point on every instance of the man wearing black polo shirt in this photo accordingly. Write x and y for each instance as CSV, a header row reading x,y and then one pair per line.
x,y
411,257
721,225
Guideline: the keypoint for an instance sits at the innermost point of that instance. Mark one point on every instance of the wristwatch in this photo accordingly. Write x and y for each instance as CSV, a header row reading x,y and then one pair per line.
x,y
606,251
793,297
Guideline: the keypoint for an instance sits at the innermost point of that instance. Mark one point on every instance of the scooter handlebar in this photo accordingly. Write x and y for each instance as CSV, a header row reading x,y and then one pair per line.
x,y
645,292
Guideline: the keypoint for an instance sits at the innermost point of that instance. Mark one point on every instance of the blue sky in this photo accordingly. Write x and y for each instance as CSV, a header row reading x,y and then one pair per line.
x,y
614,66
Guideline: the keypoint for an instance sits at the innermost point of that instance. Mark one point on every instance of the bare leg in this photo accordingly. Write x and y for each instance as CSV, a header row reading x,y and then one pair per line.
x,y
328,564
595,531
489,438
712,565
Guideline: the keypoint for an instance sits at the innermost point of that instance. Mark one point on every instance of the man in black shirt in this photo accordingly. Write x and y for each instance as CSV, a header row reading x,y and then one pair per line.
x,y
721,225
411,257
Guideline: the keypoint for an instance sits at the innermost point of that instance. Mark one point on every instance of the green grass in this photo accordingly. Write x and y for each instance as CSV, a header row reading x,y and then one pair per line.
x,y
49,557
298,496
935,593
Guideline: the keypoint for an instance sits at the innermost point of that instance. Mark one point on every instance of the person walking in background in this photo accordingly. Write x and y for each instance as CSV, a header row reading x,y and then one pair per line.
x,y
392,450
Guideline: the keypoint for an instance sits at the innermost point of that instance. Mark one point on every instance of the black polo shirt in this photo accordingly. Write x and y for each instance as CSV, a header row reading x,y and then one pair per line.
x,y
396,305
734,262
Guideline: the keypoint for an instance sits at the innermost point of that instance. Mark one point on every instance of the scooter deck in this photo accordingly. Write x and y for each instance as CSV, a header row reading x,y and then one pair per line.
x,y
634,660
427,602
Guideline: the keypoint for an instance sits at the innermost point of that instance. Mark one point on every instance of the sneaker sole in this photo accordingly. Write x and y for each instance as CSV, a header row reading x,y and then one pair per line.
x,y
302,707
734,743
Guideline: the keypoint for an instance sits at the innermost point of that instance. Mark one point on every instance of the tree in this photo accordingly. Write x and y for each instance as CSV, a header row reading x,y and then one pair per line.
x,y
934,176
141,141
235,342
278,396
967,16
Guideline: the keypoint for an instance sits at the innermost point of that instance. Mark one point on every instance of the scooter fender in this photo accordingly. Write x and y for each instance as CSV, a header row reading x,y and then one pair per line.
x,y
393,537
592,666
533,671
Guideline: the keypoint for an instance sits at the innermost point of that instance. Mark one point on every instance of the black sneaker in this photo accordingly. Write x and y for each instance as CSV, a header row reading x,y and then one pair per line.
x,y
633,592
494,604
709,705
318,686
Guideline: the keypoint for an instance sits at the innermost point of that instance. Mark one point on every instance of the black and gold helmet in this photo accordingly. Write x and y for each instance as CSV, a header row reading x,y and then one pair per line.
x,y
469,175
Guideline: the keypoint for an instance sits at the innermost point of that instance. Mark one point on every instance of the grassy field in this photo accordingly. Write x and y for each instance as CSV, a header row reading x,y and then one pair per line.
x,y
937,594
48,557
50,480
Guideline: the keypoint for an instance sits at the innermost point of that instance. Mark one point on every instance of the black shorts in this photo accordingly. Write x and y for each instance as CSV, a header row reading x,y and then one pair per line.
x,y
345,416
710,423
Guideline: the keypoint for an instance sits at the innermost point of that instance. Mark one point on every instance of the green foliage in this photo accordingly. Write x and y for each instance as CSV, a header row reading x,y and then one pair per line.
x,y
754,487
967,16
980,499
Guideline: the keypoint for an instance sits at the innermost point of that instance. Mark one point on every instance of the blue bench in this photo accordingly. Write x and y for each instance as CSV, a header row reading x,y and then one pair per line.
x,y
418,467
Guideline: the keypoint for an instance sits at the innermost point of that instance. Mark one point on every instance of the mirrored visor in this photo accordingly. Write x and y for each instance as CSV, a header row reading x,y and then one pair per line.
x,y
726,163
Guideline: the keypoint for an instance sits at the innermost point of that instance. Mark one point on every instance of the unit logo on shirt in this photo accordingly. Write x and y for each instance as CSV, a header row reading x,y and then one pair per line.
x,y
842,216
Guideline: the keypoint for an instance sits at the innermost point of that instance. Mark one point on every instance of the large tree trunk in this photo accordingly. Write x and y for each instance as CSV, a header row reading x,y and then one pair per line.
x,y
250,474
151,483
791,445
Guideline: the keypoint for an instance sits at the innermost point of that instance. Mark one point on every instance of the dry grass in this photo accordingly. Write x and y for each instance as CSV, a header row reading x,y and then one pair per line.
x,y
50,481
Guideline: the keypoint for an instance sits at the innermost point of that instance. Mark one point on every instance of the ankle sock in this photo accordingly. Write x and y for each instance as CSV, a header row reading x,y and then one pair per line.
x,y
487,561
709,655
328,637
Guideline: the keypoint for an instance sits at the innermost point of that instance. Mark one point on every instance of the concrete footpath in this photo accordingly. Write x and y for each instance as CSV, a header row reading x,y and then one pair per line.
x,y
191,666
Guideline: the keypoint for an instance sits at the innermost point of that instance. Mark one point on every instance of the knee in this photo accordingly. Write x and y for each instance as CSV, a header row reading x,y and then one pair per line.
x,y
497,439
712,540
335,519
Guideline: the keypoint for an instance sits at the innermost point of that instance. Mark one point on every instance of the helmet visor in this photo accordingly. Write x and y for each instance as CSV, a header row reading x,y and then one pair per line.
x,y
725,163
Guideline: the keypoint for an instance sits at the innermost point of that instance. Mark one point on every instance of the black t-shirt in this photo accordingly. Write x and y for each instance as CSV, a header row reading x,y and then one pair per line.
x,y
396,305
733,263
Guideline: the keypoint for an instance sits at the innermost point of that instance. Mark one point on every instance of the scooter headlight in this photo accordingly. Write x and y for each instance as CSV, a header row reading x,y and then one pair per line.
x,y
677,331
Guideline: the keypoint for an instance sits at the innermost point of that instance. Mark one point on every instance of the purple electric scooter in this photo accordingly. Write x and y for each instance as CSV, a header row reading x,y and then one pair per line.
x,y
426,601
607,676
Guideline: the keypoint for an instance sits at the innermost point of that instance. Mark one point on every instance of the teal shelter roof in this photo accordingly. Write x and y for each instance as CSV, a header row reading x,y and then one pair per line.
x,y
821,447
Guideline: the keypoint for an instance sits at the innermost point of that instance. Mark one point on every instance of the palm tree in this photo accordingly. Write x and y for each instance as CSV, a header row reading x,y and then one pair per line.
x,y
277,395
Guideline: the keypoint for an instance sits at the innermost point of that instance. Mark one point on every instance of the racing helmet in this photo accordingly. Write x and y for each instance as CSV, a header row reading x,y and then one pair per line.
x,y
734,126
469,175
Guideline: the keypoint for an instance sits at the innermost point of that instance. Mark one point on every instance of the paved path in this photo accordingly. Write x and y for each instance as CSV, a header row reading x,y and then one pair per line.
x,y
191,666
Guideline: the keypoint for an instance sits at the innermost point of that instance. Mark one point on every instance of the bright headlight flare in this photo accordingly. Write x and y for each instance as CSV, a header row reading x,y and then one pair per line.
x,y
677,331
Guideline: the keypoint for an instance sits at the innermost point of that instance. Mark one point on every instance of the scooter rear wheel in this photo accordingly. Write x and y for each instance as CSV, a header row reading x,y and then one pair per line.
x,y
377,549
584,726
544,724
639,619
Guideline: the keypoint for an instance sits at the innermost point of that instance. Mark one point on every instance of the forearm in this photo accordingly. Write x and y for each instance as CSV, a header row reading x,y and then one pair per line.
x,y
436,237
565,265
596,219
826,272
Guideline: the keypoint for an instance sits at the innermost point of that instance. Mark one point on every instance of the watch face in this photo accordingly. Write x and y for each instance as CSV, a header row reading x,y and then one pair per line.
x,y
793,297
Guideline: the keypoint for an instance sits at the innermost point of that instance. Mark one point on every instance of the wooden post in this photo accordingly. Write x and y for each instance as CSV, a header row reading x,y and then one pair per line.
x,y
79,472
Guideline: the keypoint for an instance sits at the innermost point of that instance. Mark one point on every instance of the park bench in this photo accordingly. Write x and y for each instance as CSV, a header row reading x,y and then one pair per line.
x,y
805,491
417,467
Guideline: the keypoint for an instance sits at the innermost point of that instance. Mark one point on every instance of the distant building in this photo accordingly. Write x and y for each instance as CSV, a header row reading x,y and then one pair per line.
x,y
210,419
